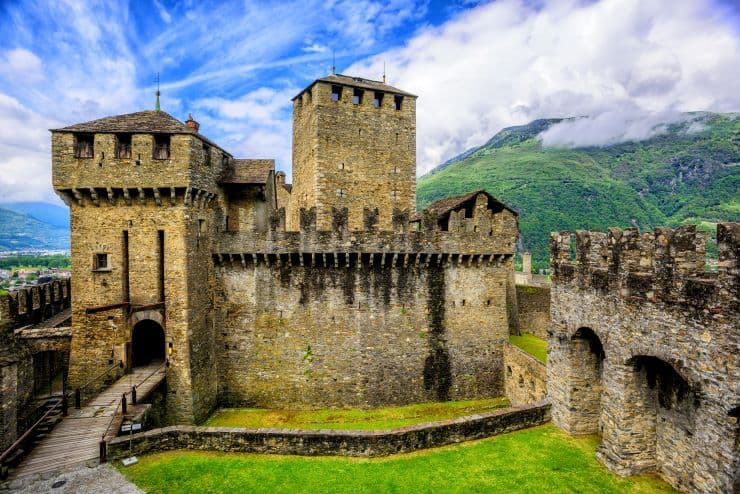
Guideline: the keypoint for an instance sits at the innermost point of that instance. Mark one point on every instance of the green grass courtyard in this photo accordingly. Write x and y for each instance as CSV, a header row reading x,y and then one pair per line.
x,y
538,460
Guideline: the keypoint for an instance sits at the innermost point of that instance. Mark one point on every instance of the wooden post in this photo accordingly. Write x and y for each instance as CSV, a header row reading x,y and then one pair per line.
x,y
78,398
103,451
123,404
133,395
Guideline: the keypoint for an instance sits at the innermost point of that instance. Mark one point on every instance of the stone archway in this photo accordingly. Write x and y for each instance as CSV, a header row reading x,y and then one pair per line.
x,y
658,407
575,382
147,343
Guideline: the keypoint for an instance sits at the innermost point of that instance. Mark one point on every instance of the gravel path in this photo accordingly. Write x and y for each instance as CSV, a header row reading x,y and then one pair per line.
x,y
81,480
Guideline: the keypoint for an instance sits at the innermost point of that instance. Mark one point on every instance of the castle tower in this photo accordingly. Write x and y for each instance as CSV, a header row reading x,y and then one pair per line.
x,y
141,190
354,147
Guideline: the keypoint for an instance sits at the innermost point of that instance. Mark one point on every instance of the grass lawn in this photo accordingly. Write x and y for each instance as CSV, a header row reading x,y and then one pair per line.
x,y
378,418
538,460
536,347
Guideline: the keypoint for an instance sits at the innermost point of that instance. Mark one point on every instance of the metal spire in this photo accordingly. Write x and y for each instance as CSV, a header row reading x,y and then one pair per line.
x,y
156,104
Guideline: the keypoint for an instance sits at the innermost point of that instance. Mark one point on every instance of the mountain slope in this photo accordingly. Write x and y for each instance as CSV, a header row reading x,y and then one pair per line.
x,y
689,173
52,214
20,231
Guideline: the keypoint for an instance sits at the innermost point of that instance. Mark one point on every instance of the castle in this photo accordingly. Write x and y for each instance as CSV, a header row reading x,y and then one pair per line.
x,y
329,292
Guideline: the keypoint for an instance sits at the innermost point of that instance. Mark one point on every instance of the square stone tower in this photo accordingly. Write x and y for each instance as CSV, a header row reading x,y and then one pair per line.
x,y
141,188
354,147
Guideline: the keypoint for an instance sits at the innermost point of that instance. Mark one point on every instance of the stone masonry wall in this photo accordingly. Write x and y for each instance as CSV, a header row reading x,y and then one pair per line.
x,y
33,304
322,335
534,309
525,378
331,442
671,342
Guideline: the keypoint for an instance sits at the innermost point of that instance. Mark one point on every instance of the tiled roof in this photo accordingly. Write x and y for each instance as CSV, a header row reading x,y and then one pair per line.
x,y
143,122
443,207
248,172
358,82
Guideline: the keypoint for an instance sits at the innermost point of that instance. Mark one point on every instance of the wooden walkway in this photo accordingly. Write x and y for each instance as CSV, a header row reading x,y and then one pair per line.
x,y
76,439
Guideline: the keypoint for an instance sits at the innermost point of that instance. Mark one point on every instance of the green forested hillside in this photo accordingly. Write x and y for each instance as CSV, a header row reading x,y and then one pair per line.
x,y
691,173
20,231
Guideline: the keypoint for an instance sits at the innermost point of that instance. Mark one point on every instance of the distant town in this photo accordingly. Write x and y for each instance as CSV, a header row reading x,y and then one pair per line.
x,y
20,269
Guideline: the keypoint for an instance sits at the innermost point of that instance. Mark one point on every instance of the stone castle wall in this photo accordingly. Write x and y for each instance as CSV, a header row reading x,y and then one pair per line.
x,y
644,351
533,303
525,378
341,330
33,304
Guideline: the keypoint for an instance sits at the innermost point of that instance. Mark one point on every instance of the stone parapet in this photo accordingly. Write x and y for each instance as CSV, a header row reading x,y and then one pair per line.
x,y
525,380
365,242
663,266
325,442
33,304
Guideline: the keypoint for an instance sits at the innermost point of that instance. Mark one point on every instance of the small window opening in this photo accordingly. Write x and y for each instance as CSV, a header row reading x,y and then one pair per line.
x,y
161,147
83,145
224,160
378,99
488,302
123,146
463,303
396,134
397,102
394,194
206,154
396,170
357,96
336,93
341,166
341,193
100,262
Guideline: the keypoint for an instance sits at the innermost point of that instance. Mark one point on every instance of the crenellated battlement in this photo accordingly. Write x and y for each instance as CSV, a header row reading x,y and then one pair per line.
x,y
33,304
665,265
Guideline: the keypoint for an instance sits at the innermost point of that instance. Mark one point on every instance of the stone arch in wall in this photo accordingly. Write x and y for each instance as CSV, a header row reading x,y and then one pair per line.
x,y
587,357
147,343
660,410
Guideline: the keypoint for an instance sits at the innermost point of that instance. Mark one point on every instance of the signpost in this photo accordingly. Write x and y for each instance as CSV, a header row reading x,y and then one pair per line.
x,y
130,428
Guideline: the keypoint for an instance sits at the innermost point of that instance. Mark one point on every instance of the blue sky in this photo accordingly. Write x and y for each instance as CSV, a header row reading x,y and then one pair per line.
x,y
477,66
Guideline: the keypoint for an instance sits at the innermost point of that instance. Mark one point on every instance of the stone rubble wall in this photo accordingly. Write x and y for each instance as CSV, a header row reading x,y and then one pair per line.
x,y
325,442
534,309
647,299
33,304
350,334
525,378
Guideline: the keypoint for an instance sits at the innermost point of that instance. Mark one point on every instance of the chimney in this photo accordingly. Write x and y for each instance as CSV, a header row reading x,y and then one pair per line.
x,y
192,123
280,178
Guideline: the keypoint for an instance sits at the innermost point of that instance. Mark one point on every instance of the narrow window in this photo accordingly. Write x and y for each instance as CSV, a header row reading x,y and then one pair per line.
x,y
125,274
100,262
357,96
378,100
336,93
394,194
161,147
206,154
123,146
341,193
397,102
341,166
160,268
83,145
396,170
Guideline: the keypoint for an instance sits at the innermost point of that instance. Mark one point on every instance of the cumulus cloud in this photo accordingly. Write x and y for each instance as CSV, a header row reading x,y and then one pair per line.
x,y
628,64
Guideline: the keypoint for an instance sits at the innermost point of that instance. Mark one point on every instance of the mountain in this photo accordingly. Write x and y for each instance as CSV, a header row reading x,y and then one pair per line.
x,y
52,214
688,173
19,231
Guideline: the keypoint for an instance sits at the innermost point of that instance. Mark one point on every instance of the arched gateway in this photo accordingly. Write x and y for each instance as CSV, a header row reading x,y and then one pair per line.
x,y
147,343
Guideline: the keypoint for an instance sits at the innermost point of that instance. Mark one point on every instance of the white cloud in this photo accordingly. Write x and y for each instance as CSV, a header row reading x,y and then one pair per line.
x,y
25,167
22,65
625,63
166,17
